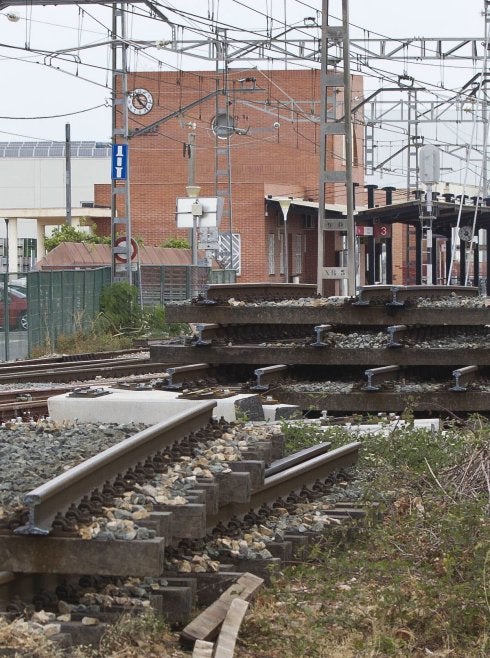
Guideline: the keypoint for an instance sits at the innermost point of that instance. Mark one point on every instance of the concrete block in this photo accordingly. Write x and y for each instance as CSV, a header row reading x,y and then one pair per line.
x,y
255,467
185,581
277,446
300,544
176,603
238,407
264,449
209,585
234,487
277,411
188,521
197,495
281,549
161,522
212,495
57,555
81,634
263,568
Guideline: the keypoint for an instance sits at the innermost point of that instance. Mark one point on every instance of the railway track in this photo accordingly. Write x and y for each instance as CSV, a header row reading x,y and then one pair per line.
x,y
434,356
46,555
78,370
51,549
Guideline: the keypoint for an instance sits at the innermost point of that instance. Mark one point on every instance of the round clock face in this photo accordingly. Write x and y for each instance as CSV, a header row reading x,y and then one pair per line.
x,y
140,101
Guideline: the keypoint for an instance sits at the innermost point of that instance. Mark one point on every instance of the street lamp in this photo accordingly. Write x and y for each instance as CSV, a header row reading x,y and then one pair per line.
x,y
285,203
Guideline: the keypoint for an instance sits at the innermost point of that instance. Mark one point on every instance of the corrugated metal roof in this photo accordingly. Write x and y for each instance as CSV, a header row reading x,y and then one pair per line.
x,y
69,255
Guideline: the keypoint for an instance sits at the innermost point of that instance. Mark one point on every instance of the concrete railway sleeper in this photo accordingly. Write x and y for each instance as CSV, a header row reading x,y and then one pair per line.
x,y
393,295
253,292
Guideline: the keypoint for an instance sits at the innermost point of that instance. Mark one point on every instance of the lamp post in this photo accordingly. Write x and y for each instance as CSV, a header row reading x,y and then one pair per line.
x,y
285,203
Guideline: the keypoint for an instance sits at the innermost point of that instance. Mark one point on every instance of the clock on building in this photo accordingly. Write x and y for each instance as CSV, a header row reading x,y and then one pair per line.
x,y
140,101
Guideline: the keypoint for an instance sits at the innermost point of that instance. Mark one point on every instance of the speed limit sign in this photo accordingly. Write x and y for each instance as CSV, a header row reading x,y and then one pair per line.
x,y
121,242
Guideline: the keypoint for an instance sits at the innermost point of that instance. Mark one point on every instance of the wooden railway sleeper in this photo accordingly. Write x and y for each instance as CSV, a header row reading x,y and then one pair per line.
x,y
394,332
265,372
321,330
463,376
379,374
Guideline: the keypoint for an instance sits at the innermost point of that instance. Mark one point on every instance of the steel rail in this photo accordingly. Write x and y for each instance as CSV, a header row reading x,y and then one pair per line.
x,y
56,496
74,358
108,370
283,483
68,365
281,465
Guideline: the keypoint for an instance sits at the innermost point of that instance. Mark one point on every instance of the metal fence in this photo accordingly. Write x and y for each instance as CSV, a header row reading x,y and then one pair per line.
x,y
63,302
41,306
160,284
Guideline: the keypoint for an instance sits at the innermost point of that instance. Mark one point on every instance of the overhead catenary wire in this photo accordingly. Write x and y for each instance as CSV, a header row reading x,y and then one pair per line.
x,y
479,100
200,23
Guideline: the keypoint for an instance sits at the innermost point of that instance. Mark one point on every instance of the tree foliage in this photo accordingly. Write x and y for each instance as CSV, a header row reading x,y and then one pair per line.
x,y
176,243
67,233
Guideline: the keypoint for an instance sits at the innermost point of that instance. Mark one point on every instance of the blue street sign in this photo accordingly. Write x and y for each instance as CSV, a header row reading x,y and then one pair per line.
x,y
119,161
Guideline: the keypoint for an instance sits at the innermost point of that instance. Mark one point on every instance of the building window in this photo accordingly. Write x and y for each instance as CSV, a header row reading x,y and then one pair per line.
x,y
281,253
271,253
297,253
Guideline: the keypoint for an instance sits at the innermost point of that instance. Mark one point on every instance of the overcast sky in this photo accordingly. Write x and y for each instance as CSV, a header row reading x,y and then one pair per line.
x,y
36,86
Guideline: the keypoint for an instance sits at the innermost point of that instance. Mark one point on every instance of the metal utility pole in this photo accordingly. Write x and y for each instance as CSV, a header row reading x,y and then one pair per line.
x,y
330,127
191,181
122,248
68,173
224,129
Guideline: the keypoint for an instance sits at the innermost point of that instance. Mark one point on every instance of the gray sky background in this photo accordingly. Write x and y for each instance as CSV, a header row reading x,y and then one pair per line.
x,y
36,86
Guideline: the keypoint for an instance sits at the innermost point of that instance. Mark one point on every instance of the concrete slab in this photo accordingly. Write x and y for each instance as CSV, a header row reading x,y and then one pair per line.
x,y
149,407
240,407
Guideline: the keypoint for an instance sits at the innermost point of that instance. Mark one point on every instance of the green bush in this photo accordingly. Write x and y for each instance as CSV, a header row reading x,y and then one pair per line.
x,y
176,243
120,309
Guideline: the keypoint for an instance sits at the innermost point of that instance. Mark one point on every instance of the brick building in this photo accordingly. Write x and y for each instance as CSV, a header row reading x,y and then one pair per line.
x,y
273,150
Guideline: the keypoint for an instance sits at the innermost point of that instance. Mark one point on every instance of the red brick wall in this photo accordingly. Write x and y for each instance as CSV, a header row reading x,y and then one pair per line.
x,y
265,160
